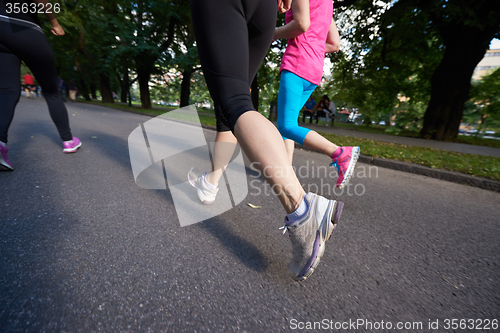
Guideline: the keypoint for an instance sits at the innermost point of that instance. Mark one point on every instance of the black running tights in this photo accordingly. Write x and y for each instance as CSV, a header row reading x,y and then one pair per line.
x,y
233,37
32,47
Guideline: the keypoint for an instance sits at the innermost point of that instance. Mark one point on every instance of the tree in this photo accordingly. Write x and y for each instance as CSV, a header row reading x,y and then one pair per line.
x,y
484,105
460,31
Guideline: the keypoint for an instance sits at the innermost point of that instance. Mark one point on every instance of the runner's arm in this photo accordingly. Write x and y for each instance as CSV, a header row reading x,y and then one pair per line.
x,y
300,23
332,39
284,5
56,28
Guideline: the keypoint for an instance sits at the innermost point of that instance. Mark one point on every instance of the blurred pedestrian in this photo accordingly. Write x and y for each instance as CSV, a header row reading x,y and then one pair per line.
x,y
332,113
322,109
308,110
22,39
29,83
72,90
61,84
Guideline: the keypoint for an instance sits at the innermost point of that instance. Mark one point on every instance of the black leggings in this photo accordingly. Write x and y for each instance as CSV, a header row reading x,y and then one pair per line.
x,y
233,37
31,46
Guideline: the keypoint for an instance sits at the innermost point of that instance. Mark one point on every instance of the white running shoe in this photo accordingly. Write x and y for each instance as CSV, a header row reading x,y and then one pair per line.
x,y
205,192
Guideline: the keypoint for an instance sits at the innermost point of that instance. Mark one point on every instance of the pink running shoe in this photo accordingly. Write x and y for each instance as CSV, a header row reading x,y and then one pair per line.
x,y
72,146
5,164
345,164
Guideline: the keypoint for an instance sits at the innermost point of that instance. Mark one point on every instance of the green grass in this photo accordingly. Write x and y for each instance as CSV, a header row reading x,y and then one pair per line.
x,y
378,129
474,165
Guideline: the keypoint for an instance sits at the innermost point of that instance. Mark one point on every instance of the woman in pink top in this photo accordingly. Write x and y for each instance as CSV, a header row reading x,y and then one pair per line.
x,y
311,32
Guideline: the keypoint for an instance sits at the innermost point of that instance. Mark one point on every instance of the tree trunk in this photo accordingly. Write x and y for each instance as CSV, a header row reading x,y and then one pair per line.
x,y
143,76
124,86
255,93
450,85
84,90
105,89
186,86
465,45
93,90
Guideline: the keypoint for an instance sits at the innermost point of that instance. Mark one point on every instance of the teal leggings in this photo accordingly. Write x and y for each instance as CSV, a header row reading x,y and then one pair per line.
x,y
293,94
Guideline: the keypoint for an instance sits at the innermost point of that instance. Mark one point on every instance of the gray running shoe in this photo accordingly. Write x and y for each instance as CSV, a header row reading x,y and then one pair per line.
x,y
198,180
309,234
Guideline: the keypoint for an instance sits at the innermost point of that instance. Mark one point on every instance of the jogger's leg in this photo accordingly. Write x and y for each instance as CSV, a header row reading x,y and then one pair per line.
x,y
42,64
10,90
263,144
223,150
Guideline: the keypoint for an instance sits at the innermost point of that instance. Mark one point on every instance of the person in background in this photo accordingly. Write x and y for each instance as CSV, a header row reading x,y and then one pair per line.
x,y
333,112
62,87
29,83
72,90
322,108
308,109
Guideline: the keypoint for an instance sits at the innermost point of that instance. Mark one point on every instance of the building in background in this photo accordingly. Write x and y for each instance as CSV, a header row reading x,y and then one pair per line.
x,y
487,65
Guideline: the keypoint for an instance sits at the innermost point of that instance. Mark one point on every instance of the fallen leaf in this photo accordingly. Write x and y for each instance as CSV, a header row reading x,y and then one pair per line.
x,y
253,206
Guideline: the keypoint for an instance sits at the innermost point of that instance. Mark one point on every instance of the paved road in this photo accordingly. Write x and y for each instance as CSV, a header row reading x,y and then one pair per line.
x,y
84,249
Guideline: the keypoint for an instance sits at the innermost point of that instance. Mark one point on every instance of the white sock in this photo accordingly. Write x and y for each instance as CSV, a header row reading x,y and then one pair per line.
x,y
298,213
210,186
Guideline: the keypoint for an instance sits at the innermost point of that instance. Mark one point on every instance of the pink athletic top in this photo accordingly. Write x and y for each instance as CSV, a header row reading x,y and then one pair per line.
x,y
305,54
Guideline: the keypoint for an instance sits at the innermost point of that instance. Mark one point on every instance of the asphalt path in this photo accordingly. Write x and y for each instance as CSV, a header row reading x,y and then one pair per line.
x,y
83,248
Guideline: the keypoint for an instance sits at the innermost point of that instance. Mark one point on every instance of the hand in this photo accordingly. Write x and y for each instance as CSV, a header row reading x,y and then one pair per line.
x,y
57,29
284,5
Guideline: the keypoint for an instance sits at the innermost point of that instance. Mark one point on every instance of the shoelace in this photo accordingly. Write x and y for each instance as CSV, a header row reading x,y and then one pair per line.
x,y
285,227
334,161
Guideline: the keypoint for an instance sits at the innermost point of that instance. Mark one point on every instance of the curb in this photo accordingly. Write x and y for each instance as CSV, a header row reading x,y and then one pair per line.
x,y
450,176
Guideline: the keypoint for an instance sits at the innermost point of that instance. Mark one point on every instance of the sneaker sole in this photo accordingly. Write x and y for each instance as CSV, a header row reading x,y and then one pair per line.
x,y
192,182
72,150
319,246
352,163
4,166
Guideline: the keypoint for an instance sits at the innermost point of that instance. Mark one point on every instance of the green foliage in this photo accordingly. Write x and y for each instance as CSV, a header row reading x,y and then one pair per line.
x,y
483,107
387,58
395,47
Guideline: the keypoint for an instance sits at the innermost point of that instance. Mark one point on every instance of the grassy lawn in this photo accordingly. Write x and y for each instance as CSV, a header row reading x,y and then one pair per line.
x,y
474,165
472,140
